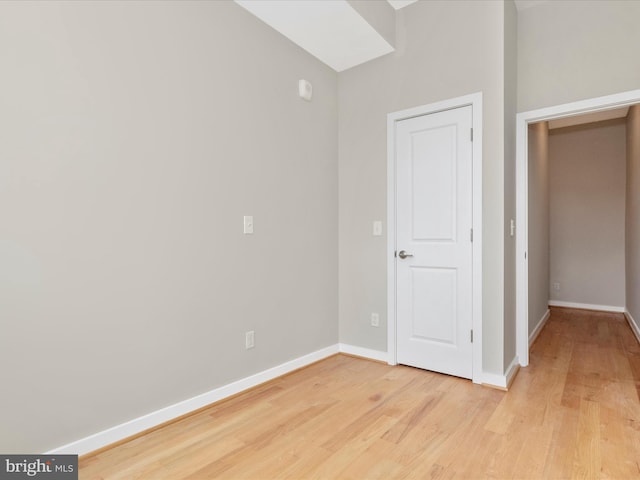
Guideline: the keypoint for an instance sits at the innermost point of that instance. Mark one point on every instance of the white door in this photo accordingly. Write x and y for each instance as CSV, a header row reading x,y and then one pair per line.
x,y
433,234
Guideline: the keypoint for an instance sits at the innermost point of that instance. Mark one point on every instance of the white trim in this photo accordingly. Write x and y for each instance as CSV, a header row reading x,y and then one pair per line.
x,y
586,306
477,236
632,323
522,242
153,419
512,370
502,381
475,101
541,323
391,241
522,239
494,380
363,352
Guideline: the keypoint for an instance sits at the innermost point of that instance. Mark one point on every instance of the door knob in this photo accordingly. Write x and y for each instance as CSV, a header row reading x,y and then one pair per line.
x,y
403,254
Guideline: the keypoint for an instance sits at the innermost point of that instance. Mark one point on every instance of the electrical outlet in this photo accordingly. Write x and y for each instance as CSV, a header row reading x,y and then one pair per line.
x,y
375,320
556,286
249,340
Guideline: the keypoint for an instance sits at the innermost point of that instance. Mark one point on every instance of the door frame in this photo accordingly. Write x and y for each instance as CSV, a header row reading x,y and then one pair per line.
x,y
522,195
475,101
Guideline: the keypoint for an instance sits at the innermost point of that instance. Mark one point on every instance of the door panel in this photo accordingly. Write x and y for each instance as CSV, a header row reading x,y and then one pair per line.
x,y
433,297
433,224
433,184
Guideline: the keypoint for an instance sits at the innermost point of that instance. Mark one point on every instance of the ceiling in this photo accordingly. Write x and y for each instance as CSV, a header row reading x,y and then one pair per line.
x,y
589,118
332,30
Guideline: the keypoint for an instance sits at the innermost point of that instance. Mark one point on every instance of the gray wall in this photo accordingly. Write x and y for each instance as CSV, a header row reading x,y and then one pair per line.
x,y
632,240
587,201
135,136
444,50
380,15
510,108
538,228
569,50
126,172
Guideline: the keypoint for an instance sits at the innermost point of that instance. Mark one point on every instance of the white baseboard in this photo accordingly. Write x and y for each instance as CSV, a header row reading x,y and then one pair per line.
x,y
494,380
512,370
541,323
633,324
586,306
489,379
364,352
153,419
502,382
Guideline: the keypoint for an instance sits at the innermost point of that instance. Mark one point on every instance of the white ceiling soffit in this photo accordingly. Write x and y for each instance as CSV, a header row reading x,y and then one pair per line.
x,y
330,30
589,118
398,4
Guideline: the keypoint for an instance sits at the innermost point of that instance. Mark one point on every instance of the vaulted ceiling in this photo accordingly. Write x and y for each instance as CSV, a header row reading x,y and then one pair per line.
x,y
340,33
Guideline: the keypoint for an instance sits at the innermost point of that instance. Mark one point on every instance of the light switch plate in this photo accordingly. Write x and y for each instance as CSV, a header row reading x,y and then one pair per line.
x,y
377,228
248,224
249,339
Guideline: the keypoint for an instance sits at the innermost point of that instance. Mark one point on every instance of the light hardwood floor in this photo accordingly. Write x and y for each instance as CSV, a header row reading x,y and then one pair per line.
x,y
573,413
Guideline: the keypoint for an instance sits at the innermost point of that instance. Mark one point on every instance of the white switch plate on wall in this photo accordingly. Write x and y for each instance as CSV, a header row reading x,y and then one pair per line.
x,y
249,340
377,228
248,224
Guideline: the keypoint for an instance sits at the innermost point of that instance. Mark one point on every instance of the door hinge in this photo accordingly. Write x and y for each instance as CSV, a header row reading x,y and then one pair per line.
x,y
471,235
525,255
471,336
472,134
395,254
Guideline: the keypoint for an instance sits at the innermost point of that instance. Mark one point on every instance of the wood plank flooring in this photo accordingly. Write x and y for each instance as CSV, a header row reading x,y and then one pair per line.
x,y
573,413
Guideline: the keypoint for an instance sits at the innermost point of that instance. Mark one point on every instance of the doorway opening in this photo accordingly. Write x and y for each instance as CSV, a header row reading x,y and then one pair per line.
x,y
523,120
